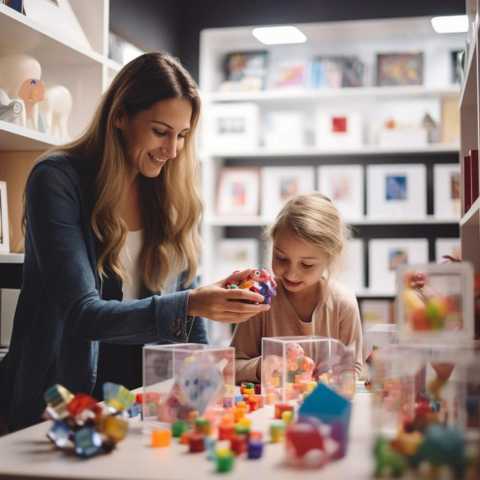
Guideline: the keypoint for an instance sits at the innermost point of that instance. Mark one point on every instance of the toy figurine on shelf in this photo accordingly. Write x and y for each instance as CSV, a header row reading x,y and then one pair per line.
x,y
85,426
260,281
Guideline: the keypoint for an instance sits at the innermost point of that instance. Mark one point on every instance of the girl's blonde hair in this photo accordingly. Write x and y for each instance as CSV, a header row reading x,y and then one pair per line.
x,y
170,203
315,219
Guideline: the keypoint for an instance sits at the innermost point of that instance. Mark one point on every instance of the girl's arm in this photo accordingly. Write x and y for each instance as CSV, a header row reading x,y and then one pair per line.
x,y
247,341
351,329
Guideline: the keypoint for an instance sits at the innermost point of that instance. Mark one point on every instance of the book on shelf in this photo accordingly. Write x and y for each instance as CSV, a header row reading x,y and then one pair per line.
x,y
337,72
245,70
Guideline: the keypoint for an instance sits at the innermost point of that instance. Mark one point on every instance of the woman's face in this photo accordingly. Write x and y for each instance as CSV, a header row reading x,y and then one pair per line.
x,y
296,263
156,135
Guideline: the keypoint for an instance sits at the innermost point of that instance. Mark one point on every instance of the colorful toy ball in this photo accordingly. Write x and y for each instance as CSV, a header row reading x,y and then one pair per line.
x,y
260,281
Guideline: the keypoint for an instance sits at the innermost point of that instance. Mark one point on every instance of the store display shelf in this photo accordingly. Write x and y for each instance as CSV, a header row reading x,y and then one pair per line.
x,y
319,152
336,94
16,138
252,221
12,257
41,42
367,293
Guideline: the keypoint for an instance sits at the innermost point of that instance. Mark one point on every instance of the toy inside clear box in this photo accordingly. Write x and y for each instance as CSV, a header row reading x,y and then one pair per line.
x,y
426,412
293,366
435,303
182,381
376,337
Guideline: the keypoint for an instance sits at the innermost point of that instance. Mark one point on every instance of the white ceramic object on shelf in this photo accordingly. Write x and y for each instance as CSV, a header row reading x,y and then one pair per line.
x,y
12,109
56,110
15,69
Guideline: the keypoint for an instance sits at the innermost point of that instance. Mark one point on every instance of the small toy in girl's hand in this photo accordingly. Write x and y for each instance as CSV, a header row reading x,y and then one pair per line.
x,y
260,281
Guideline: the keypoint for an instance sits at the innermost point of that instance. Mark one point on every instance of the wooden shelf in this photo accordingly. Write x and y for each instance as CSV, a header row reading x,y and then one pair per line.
x,y
318,152
40,42
239,221
334,94
16,138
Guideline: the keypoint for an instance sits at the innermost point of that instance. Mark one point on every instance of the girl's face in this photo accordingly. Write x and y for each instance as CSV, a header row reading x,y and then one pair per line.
x,y
156,135
296,263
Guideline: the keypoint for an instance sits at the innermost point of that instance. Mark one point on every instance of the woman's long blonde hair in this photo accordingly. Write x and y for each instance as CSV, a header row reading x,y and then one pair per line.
x,y
315,219
170,203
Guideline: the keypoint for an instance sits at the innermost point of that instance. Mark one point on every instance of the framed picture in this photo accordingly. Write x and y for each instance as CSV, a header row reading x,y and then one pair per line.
x,y
447,247
399,69
351,268
232,128
446,191
4,230
343,184
284,130
281,183
235,254
15,4
289,74
386,255
337,72
245,70
59,16
375,311
238,191
396,191
338,129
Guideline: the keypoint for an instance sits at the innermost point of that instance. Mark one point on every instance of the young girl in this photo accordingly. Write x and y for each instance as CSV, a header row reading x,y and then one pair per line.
x,y
308,237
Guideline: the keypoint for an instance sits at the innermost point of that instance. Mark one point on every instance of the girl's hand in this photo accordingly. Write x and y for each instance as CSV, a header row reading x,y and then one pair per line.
x,y
224,305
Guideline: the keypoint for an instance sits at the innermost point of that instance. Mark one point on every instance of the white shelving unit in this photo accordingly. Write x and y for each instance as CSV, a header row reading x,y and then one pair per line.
x,y
85,72
470,127
363,39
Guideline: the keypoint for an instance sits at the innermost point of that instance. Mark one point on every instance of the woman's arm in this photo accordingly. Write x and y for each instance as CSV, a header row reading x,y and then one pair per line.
x,y
56,237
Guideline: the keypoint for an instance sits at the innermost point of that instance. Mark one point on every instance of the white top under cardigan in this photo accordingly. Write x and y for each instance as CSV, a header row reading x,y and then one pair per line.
x,y
129,256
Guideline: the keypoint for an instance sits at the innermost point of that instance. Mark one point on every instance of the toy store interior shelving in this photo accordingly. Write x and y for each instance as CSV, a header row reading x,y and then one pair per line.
x,y
437,95
469,127
83,68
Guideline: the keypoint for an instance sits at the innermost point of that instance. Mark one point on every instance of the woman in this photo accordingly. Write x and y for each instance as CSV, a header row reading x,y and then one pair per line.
x,y
111,221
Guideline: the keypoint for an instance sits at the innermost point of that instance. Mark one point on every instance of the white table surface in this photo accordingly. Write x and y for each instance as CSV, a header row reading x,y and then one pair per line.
x,y
28,454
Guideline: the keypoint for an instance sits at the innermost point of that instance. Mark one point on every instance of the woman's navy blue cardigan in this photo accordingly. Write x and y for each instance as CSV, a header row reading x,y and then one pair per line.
x,y
61,316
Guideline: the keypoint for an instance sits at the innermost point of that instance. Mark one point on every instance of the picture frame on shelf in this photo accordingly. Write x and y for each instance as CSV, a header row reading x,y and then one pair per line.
x,y
396,191
386,255
351,266
15,5
446,191
337,72
446,248
232,128
279,184
399,69
376,311
291,74
284,130
343,184
4,220
58,16
238,191
236,254
245,71
336,130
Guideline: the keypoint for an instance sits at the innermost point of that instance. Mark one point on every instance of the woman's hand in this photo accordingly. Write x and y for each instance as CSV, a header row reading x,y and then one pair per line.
x,y
226,305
